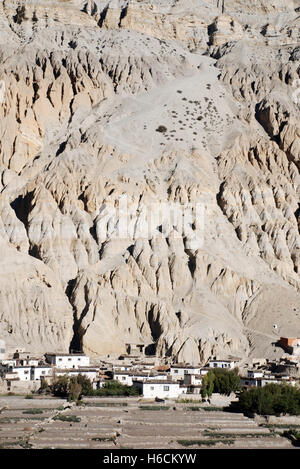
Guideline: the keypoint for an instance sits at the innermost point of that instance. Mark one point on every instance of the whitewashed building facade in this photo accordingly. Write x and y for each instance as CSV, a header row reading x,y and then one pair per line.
x,y
67,360
151,389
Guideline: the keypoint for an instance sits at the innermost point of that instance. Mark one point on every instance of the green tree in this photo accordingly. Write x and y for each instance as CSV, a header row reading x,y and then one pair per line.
x,y
221,381
272,399
86,385
226,381
207,387
75,389
45,388
60,387
114,388
72,387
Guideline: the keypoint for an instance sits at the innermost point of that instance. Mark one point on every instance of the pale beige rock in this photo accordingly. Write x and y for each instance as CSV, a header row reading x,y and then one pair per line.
x,y
86,87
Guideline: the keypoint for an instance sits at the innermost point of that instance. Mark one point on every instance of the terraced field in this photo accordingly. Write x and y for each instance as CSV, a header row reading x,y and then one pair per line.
x,y
129,423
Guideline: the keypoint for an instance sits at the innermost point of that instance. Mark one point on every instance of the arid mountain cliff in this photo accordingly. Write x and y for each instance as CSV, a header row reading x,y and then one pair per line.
x,y
188,102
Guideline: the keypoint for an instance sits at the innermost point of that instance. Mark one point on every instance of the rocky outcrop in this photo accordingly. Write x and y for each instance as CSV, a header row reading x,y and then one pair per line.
x,y
225,29
156,104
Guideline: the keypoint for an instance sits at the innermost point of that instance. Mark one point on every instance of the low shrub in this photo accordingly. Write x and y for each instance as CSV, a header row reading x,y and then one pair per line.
x,y
162,129
204,442
212,409
103,438
33,411
67,418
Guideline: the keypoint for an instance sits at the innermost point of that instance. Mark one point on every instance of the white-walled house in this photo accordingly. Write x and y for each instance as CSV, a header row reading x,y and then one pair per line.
x,y
143,366
127,377
192,380
9,363
122,367
288,380
28,362
90,373
229,364
262,381
99,382
22,372
204,371
67,360
124,377
11,376
30,373
178,371
151,389
159,377
40,371
255,374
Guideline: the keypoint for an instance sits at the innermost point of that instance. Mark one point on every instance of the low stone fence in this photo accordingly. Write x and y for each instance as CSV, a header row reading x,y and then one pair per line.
x,y
283,420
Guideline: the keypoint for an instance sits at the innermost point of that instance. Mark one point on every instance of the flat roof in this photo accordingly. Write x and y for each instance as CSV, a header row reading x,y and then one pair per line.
x,y
31,366
30,358
221,361
144,364
131,357
156,381
186,366
23,367
265,378
137,373
77,370
43,366
80,354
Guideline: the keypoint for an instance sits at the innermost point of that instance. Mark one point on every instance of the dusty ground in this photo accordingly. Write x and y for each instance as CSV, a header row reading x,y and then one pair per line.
x,y
129,424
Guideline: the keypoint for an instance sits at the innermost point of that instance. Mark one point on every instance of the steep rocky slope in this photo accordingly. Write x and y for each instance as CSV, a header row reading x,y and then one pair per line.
x,y
194,103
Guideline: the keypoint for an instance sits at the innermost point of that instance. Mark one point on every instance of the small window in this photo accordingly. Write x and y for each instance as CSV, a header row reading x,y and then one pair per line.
x,y
152,388
60,359
166,388
175,371
69,359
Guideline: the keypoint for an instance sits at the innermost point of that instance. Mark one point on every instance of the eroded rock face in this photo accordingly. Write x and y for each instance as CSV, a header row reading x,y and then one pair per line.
x,y
172,102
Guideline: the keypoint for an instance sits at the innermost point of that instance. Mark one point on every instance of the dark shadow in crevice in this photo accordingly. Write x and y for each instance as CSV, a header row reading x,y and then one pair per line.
x,y
22,206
